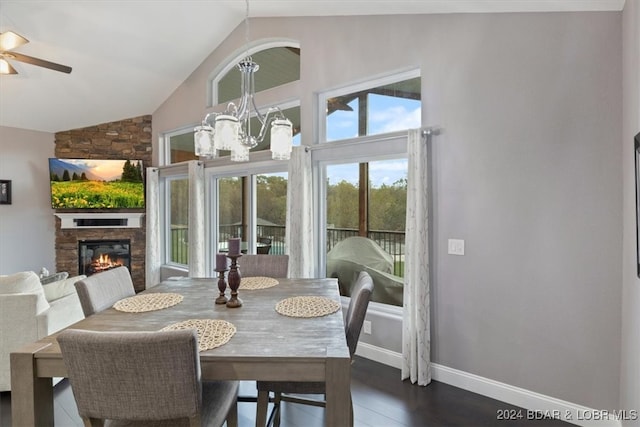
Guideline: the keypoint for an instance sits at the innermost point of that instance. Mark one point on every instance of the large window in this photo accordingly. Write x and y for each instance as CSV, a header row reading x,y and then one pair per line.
x,y
246,200
365,224
278,66
231,208
385,108
179,146
177,236
254,208
364,182
271,212
385,190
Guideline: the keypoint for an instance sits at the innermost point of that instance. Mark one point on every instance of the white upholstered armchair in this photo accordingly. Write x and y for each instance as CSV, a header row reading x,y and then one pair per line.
x,y
30,311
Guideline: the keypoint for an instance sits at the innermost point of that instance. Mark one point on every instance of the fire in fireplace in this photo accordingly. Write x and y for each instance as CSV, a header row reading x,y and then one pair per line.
x,y
95,256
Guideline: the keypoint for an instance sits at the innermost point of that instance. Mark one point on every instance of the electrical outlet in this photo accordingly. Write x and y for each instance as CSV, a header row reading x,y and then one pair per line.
x,y
456,247
367,327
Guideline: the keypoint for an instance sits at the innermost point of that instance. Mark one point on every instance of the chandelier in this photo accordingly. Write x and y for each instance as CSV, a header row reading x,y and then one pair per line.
x,y
231,129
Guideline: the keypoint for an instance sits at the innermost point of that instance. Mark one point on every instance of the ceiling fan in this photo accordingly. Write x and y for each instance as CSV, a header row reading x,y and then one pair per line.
x,y
9,41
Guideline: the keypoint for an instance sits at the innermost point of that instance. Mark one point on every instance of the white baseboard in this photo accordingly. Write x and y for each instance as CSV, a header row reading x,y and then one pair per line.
x,y
535,404
380,355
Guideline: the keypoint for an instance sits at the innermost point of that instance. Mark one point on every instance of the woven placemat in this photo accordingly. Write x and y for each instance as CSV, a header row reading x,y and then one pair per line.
x,y
212,333
307,306
148,302
257,282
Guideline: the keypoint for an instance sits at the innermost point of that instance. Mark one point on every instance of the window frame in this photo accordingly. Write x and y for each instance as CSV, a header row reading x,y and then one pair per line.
x,y
364,149
216,169
233,60
367,148
165,143
369,83
166,176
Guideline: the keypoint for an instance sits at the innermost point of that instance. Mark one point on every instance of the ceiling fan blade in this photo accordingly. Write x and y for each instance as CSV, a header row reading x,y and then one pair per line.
x,y
6,68
39,62
10,40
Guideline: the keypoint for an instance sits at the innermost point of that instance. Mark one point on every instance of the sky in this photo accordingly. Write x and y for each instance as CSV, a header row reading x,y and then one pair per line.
x,y
386,114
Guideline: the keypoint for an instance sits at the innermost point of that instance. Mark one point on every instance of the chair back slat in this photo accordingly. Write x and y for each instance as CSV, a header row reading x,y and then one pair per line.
x,y
360,296
133,375
101,290
264,265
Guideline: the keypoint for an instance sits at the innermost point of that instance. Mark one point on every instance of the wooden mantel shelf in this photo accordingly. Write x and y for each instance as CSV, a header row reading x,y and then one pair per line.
x,y
100,219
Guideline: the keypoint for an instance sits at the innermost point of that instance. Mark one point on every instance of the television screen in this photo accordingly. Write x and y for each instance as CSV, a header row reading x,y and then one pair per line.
x,y
96,184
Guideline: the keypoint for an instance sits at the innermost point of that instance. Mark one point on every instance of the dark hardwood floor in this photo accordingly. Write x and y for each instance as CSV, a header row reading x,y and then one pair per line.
x,y
380,400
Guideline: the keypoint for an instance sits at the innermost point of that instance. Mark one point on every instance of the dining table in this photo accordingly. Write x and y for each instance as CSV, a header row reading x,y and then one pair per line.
x,y
266,344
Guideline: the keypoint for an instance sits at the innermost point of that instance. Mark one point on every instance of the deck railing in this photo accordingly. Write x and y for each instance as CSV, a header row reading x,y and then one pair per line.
x,y
391,241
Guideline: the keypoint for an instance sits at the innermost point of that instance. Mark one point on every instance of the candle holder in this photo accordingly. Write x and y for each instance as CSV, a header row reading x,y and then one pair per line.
x,y
234,281
222,286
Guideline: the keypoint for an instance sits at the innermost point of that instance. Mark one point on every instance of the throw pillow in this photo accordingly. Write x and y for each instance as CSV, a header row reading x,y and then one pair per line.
x,y
54,277
61,288
26,282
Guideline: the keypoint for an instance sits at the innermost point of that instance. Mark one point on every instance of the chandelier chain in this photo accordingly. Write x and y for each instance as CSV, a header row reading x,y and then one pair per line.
x,y
246,29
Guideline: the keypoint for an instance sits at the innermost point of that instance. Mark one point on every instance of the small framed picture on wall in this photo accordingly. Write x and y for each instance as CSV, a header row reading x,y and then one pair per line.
x,y
5,192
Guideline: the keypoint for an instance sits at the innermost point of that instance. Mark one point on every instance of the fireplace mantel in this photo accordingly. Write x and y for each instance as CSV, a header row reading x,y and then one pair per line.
x,y
100,220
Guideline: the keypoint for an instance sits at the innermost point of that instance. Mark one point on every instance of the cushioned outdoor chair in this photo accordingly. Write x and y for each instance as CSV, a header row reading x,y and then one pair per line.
x,y
265,246
101,290
264,265
282,390
144,379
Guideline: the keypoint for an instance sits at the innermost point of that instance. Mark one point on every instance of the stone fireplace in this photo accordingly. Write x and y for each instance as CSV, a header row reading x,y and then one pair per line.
x,y
125,139
69,242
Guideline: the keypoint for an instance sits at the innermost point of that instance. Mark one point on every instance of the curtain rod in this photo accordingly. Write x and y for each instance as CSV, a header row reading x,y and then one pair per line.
x,y
429,131
183,164
426,132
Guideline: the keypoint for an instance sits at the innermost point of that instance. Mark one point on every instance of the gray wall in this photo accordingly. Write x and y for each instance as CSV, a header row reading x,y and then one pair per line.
x,y
527,172
630,372
27,226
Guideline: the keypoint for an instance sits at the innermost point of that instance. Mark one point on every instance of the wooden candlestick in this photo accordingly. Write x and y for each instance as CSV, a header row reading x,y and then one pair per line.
x,y
234,281
222,286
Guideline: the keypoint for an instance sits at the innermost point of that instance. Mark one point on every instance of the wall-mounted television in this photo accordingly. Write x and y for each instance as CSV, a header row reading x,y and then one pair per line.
x,y
96,184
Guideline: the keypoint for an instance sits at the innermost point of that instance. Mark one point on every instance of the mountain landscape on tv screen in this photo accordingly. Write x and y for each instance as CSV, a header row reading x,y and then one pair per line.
x,y
96,184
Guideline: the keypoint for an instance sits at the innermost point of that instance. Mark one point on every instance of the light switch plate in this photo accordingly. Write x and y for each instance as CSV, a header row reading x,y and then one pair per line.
x,y
367,327
456,247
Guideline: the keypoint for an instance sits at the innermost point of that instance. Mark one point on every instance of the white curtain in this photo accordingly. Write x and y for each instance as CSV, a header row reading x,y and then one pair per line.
x,y
416,339
299,231
197,262
152,260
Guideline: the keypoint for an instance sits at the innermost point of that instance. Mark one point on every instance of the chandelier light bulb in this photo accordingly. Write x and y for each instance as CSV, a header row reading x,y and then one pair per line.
x,y
227,132
281,139
204,141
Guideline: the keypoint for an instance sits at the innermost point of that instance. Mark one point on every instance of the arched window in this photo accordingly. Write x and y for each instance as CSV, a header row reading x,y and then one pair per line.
x,y
278,65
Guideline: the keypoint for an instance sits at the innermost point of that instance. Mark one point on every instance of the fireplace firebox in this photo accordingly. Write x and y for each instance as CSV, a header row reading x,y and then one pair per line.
x,y
95,256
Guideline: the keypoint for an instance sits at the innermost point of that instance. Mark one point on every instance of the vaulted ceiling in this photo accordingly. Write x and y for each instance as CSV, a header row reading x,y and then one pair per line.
x,y
129,56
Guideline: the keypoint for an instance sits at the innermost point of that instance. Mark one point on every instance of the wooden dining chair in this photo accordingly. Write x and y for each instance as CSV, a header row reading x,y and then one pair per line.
x,y
101,290
282,390
144,379
264,265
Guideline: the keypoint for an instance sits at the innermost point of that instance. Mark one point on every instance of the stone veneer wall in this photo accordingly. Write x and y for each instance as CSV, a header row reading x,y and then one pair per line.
x,y
125,139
